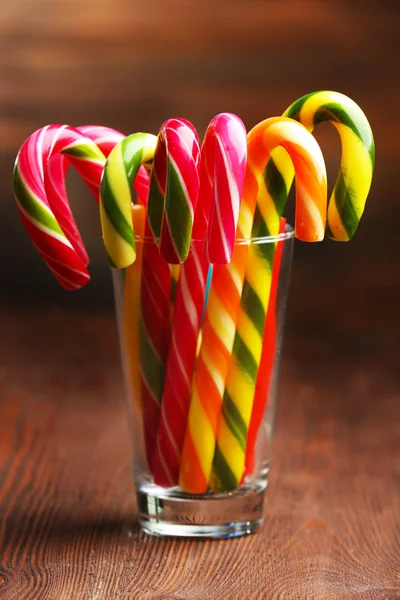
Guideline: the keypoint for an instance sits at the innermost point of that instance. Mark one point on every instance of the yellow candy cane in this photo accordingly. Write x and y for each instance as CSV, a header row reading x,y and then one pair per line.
x,y
352,186
119,174
131,310
311,206
215,349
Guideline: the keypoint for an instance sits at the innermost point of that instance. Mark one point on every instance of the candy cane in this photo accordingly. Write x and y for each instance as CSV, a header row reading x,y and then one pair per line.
x,y
347,200
267,360
311,204
354,180
130,319
345,207
154,319
223,159
155,305
180,137
54,178
32,161
353,183
105,138
119,174
212,368
218,334
171,212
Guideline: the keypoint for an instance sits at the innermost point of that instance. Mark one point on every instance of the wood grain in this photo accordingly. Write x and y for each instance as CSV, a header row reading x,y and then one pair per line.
x,y
67,510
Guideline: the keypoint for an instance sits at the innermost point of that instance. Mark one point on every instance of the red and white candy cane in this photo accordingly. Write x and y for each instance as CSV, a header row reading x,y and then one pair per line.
x,y
223,165
39,185
179,137
105,138
33,204
171,212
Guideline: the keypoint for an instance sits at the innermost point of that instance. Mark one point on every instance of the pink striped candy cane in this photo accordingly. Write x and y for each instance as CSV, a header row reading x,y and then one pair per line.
x,y
39,185
179,147
223,164
54,178
179,138
33,204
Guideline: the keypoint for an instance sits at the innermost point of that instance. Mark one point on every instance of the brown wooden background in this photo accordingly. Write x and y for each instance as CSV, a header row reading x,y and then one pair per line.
x,y
131,64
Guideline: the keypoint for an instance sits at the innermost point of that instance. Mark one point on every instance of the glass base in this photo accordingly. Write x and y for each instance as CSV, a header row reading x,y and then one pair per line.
x,y
171,512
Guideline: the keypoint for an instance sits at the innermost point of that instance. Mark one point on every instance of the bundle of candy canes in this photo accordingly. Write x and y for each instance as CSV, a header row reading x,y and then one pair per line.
x,y
199,308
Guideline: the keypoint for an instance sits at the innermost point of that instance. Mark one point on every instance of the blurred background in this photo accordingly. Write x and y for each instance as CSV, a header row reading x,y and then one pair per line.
x,y
130,65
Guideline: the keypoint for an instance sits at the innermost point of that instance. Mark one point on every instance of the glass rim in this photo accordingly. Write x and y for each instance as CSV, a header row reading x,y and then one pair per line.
x,y
270,239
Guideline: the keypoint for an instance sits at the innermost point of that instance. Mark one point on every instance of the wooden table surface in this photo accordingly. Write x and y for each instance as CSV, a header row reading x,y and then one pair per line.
x,y
67,509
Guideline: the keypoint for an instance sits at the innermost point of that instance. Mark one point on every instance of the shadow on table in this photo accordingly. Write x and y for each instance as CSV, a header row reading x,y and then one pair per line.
x,y
22,533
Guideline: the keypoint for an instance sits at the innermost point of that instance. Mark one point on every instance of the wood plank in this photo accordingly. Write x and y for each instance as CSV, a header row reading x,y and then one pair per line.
x,y
67,510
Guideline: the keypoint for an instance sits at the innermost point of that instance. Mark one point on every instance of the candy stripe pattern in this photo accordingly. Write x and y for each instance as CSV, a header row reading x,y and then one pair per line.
x,y
311,205
121,170
267,360
180,365
223,163
221,313
178,145
54,179
166,452
352,186
155,307
119,174
67,265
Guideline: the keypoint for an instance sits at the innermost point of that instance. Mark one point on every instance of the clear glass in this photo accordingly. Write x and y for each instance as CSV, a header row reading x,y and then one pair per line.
x,y
169,510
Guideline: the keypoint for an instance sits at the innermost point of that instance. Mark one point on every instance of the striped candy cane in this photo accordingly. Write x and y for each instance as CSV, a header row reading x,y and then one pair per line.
x,y
155,304
345,206
267,359
357,142
67,264
311,204
223,159
171,210
105,138
218,334
353,183
179,137
116,195
212,368
54,180
119,174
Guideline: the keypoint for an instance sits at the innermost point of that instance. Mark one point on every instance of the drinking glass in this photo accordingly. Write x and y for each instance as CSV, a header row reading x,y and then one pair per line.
x,y
242,431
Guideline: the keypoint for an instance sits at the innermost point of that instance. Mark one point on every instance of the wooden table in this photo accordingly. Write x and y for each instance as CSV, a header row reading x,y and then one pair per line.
x,y
67,509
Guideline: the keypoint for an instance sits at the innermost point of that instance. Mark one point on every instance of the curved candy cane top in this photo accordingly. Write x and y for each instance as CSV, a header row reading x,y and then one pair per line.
x,y
54,177
119,174
173,195
54,180
107,138
223,168
347,202
309,166
33,204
